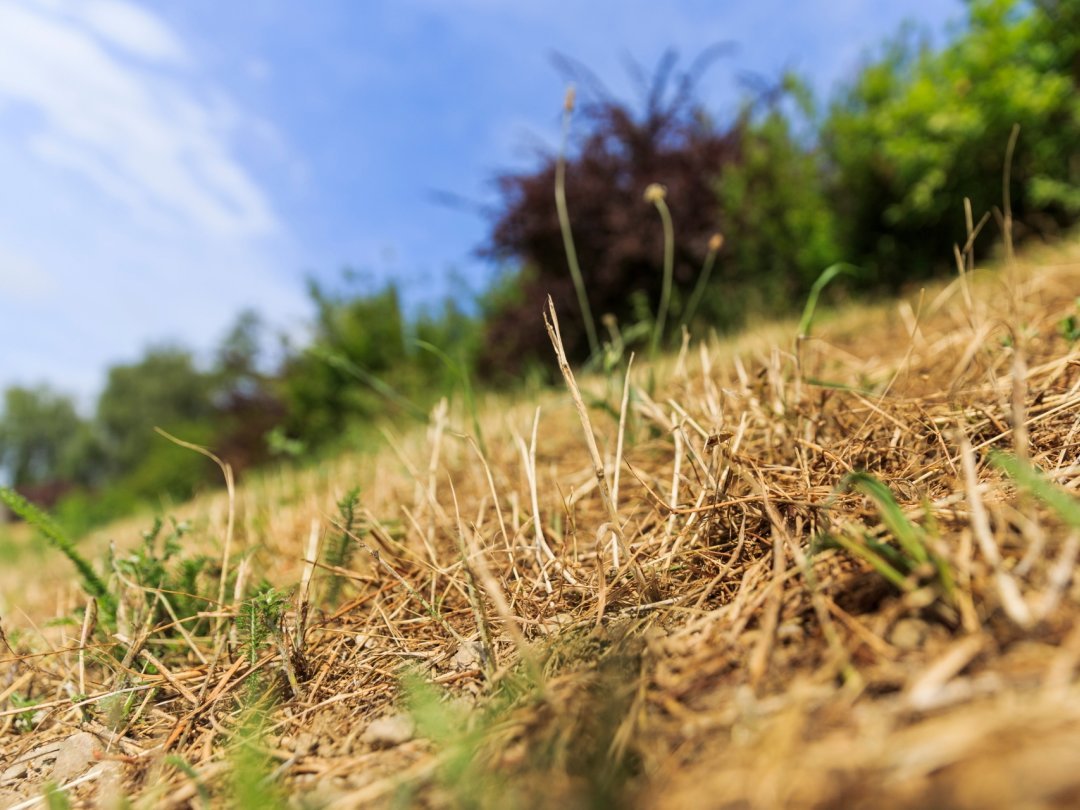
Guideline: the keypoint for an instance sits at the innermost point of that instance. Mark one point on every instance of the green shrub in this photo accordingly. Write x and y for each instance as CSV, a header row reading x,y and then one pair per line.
x,y
920,129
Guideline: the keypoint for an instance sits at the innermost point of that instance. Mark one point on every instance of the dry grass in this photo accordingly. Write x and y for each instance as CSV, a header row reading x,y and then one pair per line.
x,y
677,607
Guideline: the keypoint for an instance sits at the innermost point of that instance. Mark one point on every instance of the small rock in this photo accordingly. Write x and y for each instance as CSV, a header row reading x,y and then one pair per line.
x,y
468,656
386,732
110,789
16,771
76,754
305,743
909,634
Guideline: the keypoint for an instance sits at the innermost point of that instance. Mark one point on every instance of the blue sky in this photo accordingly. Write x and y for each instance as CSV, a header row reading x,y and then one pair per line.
x,y
164,165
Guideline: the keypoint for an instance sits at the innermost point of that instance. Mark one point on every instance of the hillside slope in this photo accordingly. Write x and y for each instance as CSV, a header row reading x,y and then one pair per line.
x,y
787,573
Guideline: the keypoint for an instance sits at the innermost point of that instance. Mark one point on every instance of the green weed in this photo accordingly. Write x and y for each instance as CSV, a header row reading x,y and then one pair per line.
x,y
1035,481
1069,326
165,576
827,276
910,566
339,552
51,531
24,721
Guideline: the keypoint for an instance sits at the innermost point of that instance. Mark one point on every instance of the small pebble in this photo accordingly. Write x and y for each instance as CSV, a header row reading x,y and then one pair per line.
x,y
391,730
76,754
909,634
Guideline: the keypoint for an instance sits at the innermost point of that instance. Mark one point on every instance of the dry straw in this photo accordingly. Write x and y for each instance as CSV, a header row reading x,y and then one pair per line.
x,y
748,587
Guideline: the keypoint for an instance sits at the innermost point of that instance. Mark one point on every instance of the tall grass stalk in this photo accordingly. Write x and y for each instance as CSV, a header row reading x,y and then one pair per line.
x,y
460,369
822,281
655,194
564,226
344,364
715,243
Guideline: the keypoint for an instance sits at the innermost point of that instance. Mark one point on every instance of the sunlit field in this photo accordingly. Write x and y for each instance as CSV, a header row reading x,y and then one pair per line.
x,y
749,480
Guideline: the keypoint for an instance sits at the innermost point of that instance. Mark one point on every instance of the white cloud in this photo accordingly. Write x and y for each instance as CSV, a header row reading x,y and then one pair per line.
x,y
127,217
132,129
131,29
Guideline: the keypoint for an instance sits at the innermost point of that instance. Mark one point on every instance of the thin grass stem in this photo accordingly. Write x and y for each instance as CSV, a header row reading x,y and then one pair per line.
x,y
567,233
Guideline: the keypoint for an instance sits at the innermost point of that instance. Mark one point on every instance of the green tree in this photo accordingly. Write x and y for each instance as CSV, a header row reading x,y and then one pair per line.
x,y
921,129
245,397
41,437
166,390
782,228
350,370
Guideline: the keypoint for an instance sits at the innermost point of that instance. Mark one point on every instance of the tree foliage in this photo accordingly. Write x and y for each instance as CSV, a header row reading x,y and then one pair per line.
x,y
39,436
163,389
920,129
781,230
356,342
620,151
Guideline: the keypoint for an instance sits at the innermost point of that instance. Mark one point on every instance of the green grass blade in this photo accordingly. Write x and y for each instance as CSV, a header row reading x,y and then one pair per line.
x,y
827,275
702,282
1033,479
907,534
459,370
838,386
876,561
378,385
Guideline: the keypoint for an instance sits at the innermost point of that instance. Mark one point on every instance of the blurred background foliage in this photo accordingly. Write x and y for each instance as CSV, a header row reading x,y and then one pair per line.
x,y
877,178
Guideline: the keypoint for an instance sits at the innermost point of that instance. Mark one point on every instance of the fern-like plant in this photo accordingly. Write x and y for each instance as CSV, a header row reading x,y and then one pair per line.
x,y
340,550
58,538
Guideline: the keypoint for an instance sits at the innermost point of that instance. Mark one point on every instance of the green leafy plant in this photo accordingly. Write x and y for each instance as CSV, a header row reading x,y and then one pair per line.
x,y
258,621
1035,481
157,565
24,721
259,624
340,550
1069,326
92,583
910,564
